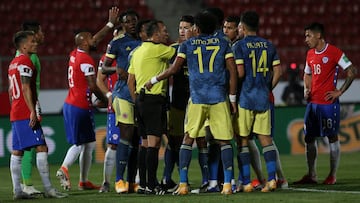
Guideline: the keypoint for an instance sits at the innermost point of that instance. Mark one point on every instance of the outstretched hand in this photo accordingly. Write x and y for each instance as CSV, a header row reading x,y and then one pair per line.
x,y
113,15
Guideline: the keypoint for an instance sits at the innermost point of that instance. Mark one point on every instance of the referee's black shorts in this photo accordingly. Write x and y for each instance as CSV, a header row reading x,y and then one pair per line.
x,y
151,115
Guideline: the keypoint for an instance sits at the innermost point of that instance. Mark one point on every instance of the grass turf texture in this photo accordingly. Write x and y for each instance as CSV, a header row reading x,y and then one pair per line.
x,y
347,188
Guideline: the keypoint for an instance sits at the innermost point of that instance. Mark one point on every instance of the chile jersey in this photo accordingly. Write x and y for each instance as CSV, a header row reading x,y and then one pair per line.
x,y
120,49
323,67
206,55
81,65
21,66
111,79
258,57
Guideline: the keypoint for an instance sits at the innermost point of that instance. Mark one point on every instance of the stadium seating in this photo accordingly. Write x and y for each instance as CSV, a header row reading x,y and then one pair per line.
x,y
282,22
59,20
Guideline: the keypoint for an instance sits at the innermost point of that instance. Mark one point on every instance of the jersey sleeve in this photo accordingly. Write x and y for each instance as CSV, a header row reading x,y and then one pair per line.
x,y
229,53
131,69
344,62
238,54
25,70
112,51
307,69
87,69
182,50
167,52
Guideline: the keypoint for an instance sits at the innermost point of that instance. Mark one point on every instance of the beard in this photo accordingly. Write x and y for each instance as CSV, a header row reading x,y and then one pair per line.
x,y
92,48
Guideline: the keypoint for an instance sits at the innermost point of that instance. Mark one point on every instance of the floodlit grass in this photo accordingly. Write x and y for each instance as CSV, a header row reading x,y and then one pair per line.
x,y
347,188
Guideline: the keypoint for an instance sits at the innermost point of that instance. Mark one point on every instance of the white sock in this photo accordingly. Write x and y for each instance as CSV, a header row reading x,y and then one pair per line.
x,y
334,157
255,159
72,155
43,168
15,170
85,160
212,183
109,163
311,154
279,171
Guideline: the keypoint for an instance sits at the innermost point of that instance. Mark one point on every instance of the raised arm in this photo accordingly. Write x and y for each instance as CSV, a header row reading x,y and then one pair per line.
x,y
113,16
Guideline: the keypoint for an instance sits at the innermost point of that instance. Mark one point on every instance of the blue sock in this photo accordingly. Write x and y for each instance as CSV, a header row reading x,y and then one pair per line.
x,y
227,161
203,162
244,165
214,159
270,160
122,155
185,158
169,164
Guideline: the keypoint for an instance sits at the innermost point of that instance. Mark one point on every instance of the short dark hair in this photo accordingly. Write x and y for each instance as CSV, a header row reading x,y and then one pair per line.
x,y
140,24
316,27
188,19
30,25
152,27
129,12
233,19
217,12
20,37
206,22
251,20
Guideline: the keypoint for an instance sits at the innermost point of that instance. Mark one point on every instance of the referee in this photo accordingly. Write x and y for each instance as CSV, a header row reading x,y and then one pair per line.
x,y
149,59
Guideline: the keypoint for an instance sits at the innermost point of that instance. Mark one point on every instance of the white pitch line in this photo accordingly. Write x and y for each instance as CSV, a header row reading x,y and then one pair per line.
x,y
324,191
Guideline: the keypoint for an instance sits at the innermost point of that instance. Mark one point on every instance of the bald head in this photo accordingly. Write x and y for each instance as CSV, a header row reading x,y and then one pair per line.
x,y
81,38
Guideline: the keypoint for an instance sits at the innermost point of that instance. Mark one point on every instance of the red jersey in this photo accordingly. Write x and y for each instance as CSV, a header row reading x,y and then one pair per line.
x,y
111,80
323,67
81,65
21,66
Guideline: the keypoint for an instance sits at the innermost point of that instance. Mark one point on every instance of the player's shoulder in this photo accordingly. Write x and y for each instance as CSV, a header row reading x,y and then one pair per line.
x,y
175,45
333,48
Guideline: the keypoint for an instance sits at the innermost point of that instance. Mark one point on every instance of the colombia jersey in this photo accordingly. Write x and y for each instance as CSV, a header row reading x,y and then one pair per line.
x,y
119,50
258,56
206,55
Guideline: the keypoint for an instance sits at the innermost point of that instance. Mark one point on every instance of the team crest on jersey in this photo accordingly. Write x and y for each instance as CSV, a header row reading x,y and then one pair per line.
x,y
128,48
325,59
125,115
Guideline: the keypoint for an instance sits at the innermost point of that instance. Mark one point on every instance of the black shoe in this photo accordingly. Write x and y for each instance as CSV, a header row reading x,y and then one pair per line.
x,y
156,191
169,186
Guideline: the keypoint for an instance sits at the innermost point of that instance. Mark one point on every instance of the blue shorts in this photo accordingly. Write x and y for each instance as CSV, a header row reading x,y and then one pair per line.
x,y
322,119
25,137
79,125
112,131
